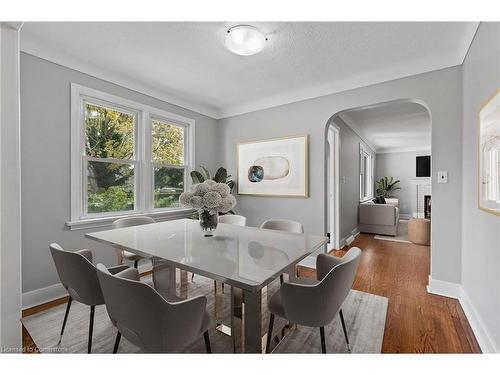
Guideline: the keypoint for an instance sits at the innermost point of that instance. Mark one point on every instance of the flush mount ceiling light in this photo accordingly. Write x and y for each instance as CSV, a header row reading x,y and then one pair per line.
x,y
245,40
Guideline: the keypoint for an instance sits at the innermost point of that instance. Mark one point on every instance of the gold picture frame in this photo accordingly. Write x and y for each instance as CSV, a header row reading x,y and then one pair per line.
x,y
305,171
488,121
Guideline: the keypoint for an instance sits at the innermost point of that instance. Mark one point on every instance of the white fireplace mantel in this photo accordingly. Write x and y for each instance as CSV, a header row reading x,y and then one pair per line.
x,y
419,187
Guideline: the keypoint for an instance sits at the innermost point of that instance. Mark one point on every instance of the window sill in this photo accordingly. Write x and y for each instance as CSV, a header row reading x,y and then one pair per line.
x,y
100,222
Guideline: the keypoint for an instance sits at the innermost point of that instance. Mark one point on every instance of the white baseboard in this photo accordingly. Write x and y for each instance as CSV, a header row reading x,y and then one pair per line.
x,y
341,243
444,288
43,295
349,240
455,290
346,241
477,325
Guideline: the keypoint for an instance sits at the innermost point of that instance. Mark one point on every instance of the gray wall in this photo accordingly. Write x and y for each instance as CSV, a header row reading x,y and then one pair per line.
x,y
349,177
401,166
45,162
440,91
481,230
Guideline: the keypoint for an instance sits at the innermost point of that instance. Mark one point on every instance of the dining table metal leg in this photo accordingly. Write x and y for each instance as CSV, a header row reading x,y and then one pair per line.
x,y
164,276
237,321
254,321
221,320
183,284
292,272
292,276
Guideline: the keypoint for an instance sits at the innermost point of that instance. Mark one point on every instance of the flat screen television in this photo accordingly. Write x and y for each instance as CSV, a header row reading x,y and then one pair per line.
x,y
423,166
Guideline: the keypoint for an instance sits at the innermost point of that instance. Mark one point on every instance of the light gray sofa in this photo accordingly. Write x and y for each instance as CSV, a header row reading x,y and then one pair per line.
x,y
378,218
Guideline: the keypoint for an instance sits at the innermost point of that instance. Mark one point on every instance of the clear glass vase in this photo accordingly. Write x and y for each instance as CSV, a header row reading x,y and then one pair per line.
x,y
208,222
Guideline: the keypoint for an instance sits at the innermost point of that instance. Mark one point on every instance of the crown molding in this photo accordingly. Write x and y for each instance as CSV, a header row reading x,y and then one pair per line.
x,y
44,52
13,25
396,150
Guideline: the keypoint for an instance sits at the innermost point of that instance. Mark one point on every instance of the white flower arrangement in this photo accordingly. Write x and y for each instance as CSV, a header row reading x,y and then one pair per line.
x,y
209,196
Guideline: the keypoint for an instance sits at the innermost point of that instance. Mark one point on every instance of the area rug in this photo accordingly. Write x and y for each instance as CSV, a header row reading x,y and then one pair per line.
x,y
364,313
402,233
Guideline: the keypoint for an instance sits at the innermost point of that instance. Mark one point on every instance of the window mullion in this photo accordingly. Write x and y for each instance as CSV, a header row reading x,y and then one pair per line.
x,y
147,175
84,208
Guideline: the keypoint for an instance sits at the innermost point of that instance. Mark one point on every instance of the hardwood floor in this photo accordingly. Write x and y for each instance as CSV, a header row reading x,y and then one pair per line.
x,y
417,322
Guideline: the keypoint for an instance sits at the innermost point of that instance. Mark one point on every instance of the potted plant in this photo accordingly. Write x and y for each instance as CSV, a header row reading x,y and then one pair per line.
x,y
209,198
220,176
386,186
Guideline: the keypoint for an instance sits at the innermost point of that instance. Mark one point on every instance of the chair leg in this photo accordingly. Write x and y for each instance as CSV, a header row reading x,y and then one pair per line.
x,y
117,342
281,279
91,328
207,342
192,277
269,333
68,306
344,328
323,342
136,263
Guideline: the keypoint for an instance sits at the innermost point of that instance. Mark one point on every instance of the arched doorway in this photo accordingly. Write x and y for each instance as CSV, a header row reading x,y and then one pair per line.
x,y
408,126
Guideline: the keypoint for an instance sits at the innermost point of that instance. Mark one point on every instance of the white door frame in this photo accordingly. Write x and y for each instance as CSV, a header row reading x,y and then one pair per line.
x,y
10,189
333,185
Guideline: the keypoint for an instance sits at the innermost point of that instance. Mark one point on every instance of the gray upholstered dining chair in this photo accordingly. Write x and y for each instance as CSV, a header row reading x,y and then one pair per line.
x,y
233,219
314,303
130,222
156,323
79,278
285,226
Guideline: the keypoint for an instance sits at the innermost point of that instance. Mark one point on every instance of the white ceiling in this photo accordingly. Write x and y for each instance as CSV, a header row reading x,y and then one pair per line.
x,y
392,127
187,64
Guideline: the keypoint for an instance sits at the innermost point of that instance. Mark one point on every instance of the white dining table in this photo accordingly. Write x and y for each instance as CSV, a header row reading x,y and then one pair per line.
x,y
245,258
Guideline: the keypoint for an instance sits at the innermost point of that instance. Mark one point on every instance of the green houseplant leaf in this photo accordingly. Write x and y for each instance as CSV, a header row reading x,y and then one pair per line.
x,y
197,177
206,173
221,175
386,186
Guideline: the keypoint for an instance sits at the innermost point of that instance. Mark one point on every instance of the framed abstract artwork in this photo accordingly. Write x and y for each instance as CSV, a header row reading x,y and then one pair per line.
x,y
489,156
274,167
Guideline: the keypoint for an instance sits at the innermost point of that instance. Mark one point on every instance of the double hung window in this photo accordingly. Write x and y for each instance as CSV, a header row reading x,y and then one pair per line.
x,y
126,157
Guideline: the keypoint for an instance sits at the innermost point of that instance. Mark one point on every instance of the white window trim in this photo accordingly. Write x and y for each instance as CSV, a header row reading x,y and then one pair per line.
x,y
143,199
366,151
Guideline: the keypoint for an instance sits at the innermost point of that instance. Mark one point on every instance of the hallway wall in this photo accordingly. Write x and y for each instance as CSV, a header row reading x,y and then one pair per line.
x,y
480,230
